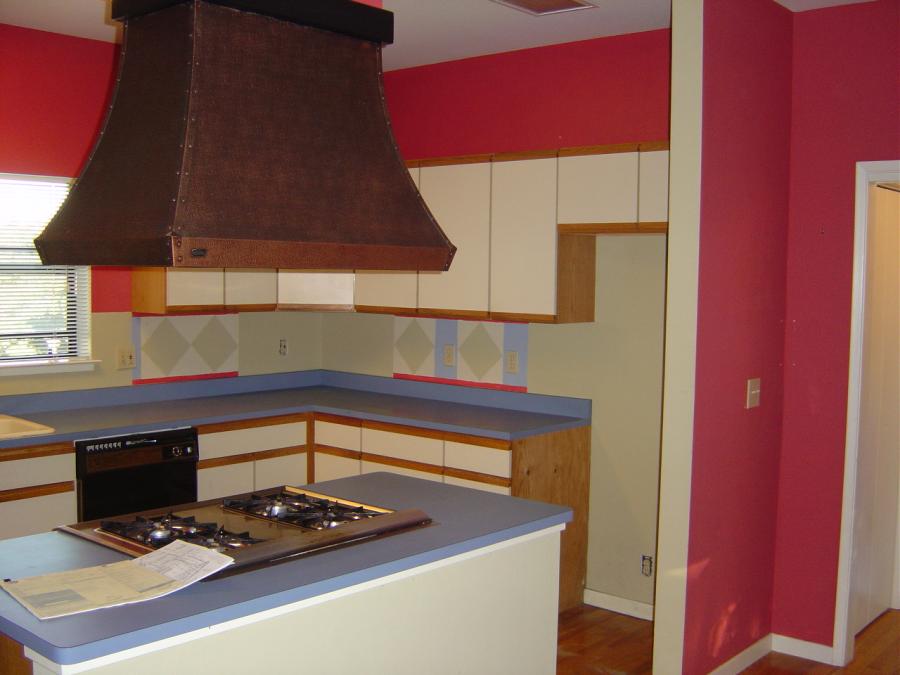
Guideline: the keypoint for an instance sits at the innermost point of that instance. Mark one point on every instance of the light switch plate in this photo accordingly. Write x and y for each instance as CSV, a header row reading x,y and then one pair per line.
x,y
752,393
512,362
449,356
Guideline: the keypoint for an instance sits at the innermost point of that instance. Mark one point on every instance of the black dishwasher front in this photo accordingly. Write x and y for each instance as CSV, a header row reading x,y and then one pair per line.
x,y
137,472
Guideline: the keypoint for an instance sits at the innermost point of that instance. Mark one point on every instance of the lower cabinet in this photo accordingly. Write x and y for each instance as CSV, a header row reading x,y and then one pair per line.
x,y
247,455
21,517
37,489
331,465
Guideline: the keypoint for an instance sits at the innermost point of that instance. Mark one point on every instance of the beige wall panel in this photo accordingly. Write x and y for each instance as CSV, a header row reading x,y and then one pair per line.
x,y
358,343
475,485
109,331
297,287
459,197
598,188
277,471
523,236
38,514
221,481
250,287
653,187
254,439
401,446
195,287
477,458
329,467
617,363
37,471
338,435
259,335
372,467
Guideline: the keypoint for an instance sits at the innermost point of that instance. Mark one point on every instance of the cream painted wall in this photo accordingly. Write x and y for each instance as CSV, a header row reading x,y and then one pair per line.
x,y
358,343
617,362
258,342
109,331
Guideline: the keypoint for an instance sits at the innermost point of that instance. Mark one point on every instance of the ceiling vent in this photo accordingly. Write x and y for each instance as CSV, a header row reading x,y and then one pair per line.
x,y
545,7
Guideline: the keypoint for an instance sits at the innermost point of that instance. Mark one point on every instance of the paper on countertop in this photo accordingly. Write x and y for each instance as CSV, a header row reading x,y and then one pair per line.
x,y
150,576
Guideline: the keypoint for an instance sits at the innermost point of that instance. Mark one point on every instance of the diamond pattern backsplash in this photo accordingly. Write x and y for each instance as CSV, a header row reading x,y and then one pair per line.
x,y
413,346
186,346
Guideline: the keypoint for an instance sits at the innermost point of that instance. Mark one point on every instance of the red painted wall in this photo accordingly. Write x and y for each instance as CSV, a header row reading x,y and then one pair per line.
x,y
743,232
594,92
845,109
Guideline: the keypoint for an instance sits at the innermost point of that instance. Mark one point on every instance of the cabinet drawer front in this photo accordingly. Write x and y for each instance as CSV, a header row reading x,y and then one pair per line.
x,y
487,487
195,287
277,471
329,467
338,435
296,287
39,514
598,188
38,471
221,481
251,287
653,205
402,446
372,467
241,441
477,458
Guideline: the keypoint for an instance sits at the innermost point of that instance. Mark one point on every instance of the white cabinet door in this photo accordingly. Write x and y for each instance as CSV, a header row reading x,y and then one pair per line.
x,y
192,287
477,485
329,467
523,237
277,471
403,446
335,435
653,202
369,466
392,290
221,481
251,439
459,196
20,473
21,517
598,188
250,287
308,290
478,458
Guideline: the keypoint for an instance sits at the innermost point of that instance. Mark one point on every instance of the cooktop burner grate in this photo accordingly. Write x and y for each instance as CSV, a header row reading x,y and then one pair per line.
x,y
301,510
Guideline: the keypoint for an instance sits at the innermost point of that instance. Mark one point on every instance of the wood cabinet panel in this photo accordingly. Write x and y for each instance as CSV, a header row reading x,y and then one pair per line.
x,y
459,197
277,471
598,188
523,237
37,471
477,458
22,517
221,481
653,202
402,446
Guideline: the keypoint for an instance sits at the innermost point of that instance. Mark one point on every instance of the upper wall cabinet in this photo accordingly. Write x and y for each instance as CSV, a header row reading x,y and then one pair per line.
x,y
159,290
298,289
387,292
598,188
459,196
523,239
248,289
653,202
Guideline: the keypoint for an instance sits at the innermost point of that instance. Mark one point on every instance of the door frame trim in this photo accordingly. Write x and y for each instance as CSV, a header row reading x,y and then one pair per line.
x,y
867,173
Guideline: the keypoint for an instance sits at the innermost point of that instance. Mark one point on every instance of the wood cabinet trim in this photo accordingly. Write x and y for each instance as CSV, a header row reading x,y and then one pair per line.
x,y
527,154
468,314
32,491
219,427
34,451
575,278
478,477
482,441
446,161
612,228
337,419
518,317
403,429
612,149
378,309
337,452
286,306
402,463
264,307
250,457
653,146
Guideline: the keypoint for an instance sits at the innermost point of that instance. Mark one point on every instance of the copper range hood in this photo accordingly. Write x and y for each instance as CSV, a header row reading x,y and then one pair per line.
x,y
248,133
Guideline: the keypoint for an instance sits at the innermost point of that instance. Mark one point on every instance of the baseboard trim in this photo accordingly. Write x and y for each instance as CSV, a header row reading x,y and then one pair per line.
x,y
746,658
803,649
639,610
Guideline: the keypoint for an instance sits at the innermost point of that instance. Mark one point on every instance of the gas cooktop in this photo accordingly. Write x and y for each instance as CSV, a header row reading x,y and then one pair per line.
x,y
255,528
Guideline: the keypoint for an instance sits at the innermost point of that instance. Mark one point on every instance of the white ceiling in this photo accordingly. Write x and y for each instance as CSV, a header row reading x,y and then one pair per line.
x,y
426,31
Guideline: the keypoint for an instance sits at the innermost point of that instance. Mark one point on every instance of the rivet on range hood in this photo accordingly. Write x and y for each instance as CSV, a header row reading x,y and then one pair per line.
x,y
248,134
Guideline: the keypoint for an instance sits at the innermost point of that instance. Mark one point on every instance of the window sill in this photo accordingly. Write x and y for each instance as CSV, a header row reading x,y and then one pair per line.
x,y
47,366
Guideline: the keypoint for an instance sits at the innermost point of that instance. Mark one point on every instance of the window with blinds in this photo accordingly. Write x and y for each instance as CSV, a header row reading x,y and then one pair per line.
x,y
44,310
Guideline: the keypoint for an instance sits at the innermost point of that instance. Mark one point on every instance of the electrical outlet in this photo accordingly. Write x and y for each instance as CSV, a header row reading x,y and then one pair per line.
x,y
647,565
449,356
125,358
282,347
512,362
752,400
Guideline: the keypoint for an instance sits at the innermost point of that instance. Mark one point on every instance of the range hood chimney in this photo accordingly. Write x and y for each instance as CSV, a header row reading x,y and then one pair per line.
x,y
248,133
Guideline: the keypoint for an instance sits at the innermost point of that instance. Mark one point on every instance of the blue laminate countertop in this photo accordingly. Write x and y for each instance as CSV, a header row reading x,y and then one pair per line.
x,y
493,414
464,520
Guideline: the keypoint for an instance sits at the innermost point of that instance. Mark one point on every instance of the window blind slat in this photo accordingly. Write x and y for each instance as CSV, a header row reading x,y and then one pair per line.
x,y
44,311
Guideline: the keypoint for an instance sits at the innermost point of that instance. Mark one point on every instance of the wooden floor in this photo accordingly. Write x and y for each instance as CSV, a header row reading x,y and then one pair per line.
x,y
593,640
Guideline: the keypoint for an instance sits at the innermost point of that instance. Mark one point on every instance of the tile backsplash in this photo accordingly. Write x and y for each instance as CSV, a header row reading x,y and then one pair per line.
x,y
191,346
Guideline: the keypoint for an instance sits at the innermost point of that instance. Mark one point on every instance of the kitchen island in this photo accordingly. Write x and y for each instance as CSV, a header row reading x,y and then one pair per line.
x,y
475,592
